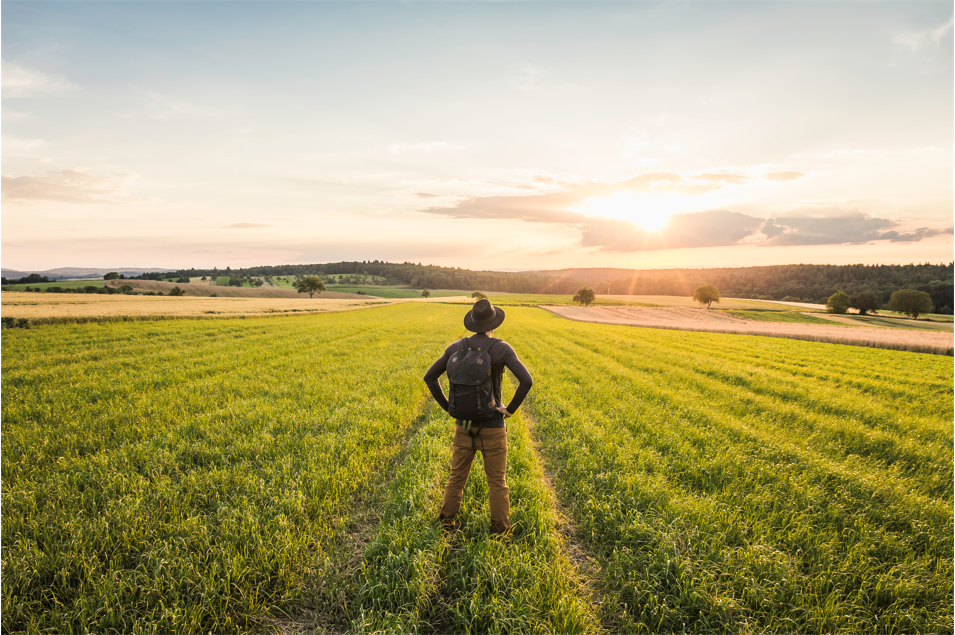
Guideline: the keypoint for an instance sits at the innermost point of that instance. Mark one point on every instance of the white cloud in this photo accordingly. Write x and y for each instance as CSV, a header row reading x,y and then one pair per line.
x,y
525,76
916,40
166,107
429,146
70,186
19,81
18,147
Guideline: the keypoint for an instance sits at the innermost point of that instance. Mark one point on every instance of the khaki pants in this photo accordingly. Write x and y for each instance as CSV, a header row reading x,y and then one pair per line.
x,y
493,443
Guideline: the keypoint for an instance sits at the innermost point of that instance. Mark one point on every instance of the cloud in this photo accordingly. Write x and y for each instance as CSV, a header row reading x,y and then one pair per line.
x,y
19,147
19,81
70,186
525,76
712,228
426,195
429,146
248,226
165,107
783,176
917,40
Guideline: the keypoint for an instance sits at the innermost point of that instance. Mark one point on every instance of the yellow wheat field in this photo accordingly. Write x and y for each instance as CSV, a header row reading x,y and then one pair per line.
x,y
67,307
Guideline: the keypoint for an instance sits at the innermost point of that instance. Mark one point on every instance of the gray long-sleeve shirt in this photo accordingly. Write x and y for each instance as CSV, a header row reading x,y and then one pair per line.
x,y
502,356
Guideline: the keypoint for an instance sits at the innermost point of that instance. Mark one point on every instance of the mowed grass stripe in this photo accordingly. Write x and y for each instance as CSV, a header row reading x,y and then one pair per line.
x,y
887,379
695,421
417,578
133,385
526,584
679,397
214,499
700,523
824,416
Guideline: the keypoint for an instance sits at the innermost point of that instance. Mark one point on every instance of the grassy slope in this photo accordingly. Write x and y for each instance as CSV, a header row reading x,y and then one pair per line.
x,y
536,299
743,484
66,284
391,292
779,316
901,323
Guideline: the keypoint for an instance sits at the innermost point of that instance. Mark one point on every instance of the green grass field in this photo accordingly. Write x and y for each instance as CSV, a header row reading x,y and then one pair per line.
x,y
537,299
223,281
794,317
284,282
902,323
391,292
285,474
66,284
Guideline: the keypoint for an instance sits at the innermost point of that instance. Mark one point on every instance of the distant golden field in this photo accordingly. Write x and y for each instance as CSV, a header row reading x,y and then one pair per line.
x,y
66,307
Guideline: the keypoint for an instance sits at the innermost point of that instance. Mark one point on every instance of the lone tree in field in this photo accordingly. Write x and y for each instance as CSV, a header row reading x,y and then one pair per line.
x,y
477,295
310,285
911,302
707,294
585,296
425,293
838,302
126,289
112,275
864,302
174,291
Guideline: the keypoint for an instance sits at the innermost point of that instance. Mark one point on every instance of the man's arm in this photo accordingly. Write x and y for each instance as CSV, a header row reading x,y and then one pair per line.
x,y
526,381
431,379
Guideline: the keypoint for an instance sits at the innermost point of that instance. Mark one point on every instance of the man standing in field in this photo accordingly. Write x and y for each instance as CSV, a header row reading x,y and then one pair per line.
x,y
484,429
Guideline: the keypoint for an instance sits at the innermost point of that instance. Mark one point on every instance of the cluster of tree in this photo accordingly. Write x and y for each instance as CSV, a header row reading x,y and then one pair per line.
x,y
805,283
33,278
240,280
911,302
87,289
796,283
362,278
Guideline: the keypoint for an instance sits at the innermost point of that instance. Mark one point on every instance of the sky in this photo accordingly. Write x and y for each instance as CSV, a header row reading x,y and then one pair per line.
x,y
485,135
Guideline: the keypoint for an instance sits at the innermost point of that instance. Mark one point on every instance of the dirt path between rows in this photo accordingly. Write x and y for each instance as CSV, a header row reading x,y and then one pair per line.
x,y
686,319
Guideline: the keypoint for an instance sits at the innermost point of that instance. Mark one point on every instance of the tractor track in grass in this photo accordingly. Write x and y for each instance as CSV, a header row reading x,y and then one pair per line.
x,y
329,614
417,577
572,545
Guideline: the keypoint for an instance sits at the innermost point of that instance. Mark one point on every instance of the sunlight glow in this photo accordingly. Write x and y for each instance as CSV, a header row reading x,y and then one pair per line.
x,y
650,212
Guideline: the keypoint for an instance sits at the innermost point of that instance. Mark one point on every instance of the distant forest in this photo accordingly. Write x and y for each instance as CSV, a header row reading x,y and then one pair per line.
x,y
806,283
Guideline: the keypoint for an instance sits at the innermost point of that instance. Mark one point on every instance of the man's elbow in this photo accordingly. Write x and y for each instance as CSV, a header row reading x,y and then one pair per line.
x,y
529,382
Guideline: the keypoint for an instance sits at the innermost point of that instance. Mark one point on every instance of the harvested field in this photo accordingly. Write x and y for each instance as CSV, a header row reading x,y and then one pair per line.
x,y
205,290
53,308
685,319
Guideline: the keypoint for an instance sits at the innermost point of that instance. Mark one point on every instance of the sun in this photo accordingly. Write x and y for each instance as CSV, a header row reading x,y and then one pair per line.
x,y
650,212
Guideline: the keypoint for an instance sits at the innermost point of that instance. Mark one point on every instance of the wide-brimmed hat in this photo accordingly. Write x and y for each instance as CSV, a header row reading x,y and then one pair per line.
x,y
483,317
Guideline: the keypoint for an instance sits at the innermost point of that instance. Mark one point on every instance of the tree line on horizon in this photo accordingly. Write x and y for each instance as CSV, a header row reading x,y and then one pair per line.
x,y
805,283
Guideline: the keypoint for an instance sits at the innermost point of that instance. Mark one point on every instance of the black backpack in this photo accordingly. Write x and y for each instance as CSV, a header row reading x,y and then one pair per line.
x,y
472,387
